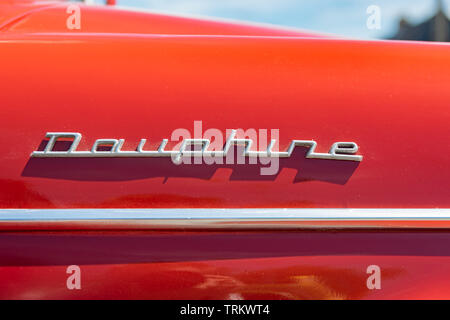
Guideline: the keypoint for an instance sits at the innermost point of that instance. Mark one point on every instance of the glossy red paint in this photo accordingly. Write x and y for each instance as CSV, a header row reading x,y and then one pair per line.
x,y
126,80
143,86
231,265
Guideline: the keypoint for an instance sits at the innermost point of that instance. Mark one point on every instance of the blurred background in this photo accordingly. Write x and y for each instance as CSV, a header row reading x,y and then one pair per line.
x,y
364,19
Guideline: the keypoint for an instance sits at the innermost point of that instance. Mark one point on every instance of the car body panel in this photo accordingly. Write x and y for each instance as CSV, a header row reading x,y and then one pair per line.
x,y
152,74
321,89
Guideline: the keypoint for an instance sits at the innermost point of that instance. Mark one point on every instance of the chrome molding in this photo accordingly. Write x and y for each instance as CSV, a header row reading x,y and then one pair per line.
x,y
223,214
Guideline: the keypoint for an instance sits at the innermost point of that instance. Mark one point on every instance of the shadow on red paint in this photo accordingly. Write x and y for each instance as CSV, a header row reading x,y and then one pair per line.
x,y
123,169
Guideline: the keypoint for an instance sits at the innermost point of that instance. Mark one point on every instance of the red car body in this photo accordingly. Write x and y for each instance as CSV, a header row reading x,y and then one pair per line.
x,y
131,75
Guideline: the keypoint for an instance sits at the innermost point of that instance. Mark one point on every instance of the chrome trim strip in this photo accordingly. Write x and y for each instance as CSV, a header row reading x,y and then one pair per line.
x,y
222,214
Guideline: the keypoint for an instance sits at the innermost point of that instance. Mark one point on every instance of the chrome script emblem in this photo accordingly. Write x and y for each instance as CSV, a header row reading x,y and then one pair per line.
x,y
338,151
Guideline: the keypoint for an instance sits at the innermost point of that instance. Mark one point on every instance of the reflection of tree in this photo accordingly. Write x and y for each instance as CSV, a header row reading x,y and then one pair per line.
x,y
298,282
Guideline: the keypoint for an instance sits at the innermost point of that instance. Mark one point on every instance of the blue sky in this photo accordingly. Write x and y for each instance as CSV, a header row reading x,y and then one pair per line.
x,y
343,17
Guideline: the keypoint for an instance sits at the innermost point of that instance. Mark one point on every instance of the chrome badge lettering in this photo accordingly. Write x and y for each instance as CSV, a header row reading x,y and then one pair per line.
x,y
338,151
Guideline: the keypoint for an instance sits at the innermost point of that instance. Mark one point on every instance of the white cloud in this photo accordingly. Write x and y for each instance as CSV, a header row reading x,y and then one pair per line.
x,y
206,7
345,17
